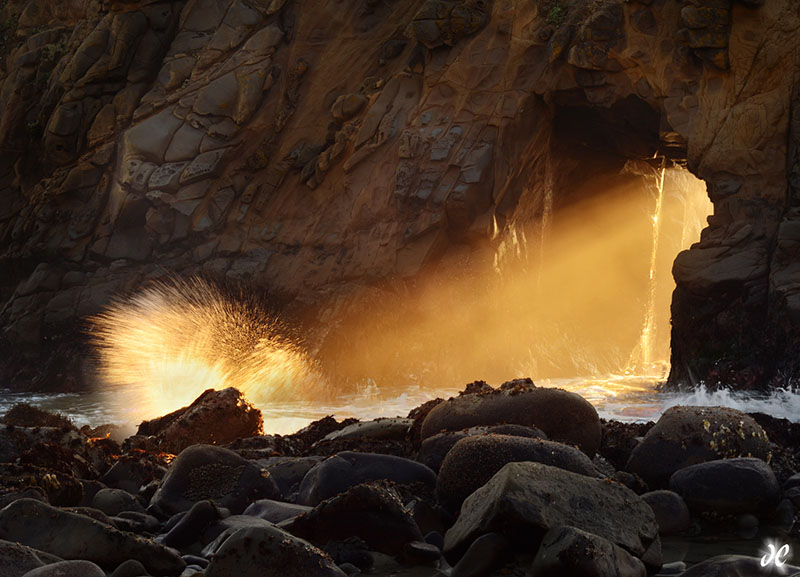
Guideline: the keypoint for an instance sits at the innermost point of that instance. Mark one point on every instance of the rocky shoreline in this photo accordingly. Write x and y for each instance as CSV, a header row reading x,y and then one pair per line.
x,y
517,480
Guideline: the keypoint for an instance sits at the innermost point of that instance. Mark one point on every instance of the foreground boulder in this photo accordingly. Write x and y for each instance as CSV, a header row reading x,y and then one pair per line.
x,y
523,501
434,449
269,552
68,569
347,469
728,486
72,536
372,512
381,429
561,415
672,514
686,436
570,551
215,417
474,460
207,472
16,559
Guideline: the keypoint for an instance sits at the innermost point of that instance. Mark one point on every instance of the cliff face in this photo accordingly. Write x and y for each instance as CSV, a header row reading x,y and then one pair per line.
x,y
317,149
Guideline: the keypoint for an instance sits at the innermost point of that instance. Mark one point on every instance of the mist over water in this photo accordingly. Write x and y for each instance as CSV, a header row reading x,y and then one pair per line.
x,y
578,300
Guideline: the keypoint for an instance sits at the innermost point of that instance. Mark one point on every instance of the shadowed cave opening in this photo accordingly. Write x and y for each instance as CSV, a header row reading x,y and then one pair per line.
x,y
580,286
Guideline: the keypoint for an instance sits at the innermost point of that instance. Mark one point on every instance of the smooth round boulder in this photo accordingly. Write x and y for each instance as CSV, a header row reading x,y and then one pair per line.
x,y
112,502
347,469
275,511
68,569
685,436
16,559
728,486
474,460
672,514
76,537
570,551
487,553
561,415
269,552
372,512
434,449
207,472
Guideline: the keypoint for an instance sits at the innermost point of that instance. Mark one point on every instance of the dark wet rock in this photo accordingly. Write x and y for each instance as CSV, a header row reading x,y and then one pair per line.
x,y
135,469
92,513
218,531
265,447
563,416
16,559
288,472
672,514
275,511
418,414
61,490
130,568
136,522
485,554
429,516
373,512
362,445
203,472
791,482
784,437
524,500
474,460
191,525
68,569
114,501
340,472
353,551
72,536
269,552
317,430
420,552
570,551
26,415
434,449
728,486
732,566
380,429
686,436
632,481
214,417
619,439
30,493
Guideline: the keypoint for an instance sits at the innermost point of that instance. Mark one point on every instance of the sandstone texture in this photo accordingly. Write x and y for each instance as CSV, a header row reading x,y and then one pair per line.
x,y
331,152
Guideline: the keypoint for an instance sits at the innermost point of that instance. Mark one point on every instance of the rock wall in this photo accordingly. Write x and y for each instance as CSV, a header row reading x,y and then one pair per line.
x,y
328,152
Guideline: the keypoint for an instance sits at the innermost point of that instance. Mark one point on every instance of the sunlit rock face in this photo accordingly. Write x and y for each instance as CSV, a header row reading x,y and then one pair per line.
x,y
342,156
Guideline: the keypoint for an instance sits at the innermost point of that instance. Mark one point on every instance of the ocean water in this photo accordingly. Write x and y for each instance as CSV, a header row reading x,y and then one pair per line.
x,y
621,397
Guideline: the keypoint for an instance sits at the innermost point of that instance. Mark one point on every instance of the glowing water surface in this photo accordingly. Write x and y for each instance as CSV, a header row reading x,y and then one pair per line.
x,y
626,398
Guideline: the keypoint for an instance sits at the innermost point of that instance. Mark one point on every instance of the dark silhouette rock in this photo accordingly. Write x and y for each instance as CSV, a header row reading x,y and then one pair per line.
x,y
685,436
728,486
562,416
215,417
206,472
340,472
525,500
474,460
